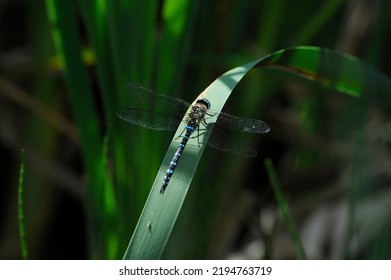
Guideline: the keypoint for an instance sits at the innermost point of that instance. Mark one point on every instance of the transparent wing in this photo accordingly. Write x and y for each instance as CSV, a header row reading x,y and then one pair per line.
x,y
151,120
242,124
162,112
228,143
148,99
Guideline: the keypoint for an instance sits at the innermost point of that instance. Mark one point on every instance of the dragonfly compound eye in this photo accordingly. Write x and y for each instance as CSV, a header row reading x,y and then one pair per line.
x,y
205,102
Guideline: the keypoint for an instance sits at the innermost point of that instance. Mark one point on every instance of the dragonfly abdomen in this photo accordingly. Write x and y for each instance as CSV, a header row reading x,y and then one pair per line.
x,y
175,159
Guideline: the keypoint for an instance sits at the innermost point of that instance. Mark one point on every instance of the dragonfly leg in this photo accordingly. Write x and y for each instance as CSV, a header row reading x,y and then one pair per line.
x,y
180,135
209,114
198,135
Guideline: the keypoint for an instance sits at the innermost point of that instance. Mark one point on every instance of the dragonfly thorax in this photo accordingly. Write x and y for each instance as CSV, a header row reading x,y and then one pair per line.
x,y
197,113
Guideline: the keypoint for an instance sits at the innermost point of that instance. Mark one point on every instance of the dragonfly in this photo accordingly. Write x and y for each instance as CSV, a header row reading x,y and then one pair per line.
x,y
165,113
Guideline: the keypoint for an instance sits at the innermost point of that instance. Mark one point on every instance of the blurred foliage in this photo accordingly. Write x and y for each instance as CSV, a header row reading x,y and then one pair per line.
x,y
87,175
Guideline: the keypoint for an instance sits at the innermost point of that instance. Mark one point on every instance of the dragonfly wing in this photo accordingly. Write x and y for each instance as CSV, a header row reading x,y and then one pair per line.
x,y
151,120
242,124
227,143
154,101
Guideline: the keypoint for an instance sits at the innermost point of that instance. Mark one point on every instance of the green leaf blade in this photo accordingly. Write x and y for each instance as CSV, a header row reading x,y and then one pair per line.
x,y
161,211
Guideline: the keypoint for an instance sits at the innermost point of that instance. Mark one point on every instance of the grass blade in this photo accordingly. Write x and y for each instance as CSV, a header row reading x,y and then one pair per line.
x,y
68,48
334,70
22,230
284,209
161,211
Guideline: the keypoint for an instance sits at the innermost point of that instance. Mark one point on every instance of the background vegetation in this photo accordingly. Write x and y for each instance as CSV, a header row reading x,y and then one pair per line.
x,y
87,175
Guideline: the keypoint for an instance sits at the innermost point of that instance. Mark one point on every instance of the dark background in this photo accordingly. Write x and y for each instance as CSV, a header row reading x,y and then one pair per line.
x,y
331,151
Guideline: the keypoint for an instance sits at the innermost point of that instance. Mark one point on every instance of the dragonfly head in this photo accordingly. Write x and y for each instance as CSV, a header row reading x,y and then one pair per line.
x,y
205,102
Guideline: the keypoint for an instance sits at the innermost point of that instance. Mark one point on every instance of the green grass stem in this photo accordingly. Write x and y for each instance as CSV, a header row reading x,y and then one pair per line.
x,y
22,230
284,208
